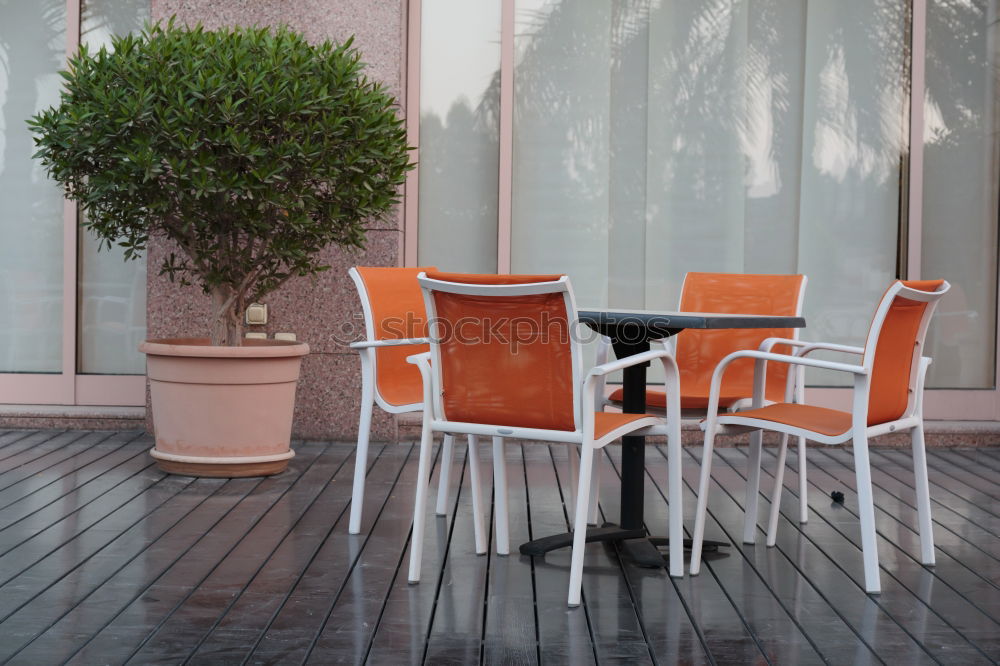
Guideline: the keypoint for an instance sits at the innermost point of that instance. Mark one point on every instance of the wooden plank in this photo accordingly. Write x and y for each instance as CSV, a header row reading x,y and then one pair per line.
x,y
510,635
166,618
901,591
960,562
12,454
281,626
614,621
455,635
818,558
46,531
84,481
953,583
958,469
403,622
38,457
563,634
92,460
10,436
64,580
949,503
672,635
772,629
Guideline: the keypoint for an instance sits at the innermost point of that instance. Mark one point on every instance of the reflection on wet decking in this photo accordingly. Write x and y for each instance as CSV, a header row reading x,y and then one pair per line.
x,y
103,559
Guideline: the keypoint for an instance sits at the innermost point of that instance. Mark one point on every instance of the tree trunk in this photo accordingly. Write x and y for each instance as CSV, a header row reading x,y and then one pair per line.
x,y
227,325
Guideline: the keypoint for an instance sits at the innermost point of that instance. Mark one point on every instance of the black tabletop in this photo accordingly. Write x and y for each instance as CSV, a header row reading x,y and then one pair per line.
x,y
645,325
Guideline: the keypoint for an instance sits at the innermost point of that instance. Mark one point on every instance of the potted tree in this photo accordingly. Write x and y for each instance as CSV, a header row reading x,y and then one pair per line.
x,y
248,150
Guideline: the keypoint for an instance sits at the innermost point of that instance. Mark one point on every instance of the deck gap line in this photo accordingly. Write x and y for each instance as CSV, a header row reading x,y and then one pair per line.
x,y
113,573
267,559
489,556
531,560
986,462
736,609
447,551
71,471
931,459
71,538
59,449
151,583
350,569
176,559
910,556
794,525
684,603
76,488
943,526
23,435
893,463
974,470
891,575
875,598
76,536
583,595
399,564
80,434
52,435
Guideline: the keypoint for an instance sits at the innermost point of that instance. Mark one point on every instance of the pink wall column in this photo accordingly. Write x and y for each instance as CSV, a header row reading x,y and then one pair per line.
x,y
324,310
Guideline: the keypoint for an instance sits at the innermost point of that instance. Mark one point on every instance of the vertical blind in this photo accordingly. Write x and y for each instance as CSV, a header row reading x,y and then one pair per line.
x,y
656,137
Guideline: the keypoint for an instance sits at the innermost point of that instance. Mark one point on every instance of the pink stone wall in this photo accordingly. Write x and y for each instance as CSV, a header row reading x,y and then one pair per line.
x,y
317,310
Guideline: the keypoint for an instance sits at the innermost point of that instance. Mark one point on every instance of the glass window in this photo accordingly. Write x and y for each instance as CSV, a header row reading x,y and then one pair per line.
x,y
959,240
112,292
459,135
32,50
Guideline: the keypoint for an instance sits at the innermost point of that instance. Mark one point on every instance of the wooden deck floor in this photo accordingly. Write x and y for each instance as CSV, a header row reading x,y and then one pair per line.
x,y
103,559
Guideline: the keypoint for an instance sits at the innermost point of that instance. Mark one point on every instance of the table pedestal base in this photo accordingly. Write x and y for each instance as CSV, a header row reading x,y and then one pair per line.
x,y
642,550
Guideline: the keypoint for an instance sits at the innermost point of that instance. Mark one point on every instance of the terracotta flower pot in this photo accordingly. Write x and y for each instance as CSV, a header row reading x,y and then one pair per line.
x,y
222,411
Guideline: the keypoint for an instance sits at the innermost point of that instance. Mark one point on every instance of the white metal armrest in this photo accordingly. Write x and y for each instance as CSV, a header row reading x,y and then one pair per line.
x,y
805,347
369,344
786,358
628,361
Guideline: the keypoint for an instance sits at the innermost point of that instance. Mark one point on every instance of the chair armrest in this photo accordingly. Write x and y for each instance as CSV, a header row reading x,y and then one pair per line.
x,y
829,346
622,363
420,359
369,344
791,359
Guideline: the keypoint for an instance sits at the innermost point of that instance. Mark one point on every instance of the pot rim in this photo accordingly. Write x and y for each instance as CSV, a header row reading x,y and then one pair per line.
x,y
201,348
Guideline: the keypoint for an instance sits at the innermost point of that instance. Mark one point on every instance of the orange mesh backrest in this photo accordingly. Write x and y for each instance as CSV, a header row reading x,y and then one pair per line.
x,y
894,350
505,360
700,350
398,312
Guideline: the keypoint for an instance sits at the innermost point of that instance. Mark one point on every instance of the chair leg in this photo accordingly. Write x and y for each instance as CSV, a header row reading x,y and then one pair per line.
x,y
753,487
698,536
580,525
923,496
476,485
866,511
803,485
500,496
572,453
441,508
779,481
420,502
361,455
595,488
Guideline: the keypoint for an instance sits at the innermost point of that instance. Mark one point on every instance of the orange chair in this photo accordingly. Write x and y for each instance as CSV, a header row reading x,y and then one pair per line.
x,y
698,352
888,397
505,362
395,327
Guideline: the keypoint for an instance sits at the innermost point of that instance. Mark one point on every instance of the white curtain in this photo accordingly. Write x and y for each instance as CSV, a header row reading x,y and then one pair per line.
x,y
656,138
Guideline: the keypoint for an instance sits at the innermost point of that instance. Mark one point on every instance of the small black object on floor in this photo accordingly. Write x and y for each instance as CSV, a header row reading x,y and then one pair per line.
x,y
837,496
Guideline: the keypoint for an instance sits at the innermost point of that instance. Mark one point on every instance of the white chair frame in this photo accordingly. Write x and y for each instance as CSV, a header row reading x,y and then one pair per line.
x,y
582,435
369,397
858,434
